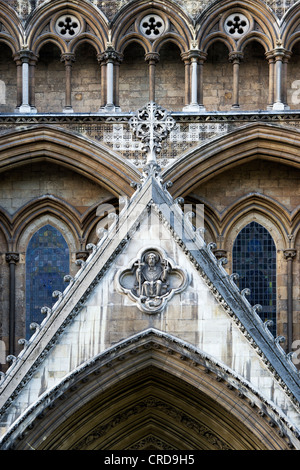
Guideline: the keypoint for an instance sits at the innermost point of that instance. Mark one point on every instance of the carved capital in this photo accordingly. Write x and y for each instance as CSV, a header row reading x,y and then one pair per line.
x,y
196,55
289,253
152,57
67,58
25,56
12,258
110,55
236,57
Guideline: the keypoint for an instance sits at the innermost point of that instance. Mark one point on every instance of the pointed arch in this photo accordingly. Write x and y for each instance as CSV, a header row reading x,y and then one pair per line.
x,y
40,26
290,27
210,23
88,158
154,397
12,31
269,142
126,23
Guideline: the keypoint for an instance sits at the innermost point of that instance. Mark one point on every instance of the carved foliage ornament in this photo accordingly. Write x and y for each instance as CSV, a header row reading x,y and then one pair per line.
x,y
152,125
151,280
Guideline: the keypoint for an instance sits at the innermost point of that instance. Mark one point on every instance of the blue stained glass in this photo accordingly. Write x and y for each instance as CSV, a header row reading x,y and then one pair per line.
x,y
47,262
254,259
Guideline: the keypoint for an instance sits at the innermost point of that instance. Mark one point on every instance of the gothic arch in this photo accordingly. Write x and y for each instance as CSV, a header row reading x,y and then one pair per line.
x,y
41,25
32,215
90,159
153,398
211,23
289,27
178,24
272,213
244,144
48,217
12,32
217,37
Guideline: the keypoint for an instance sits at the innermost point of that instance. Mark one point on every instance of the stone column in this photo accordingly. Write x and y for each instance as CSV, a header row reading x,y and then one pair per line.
x,y
18,62
271,61
103,80
201,60
289,255
24,60
236,58
285,62
279,55
110,86
195,77
68,60
117,63
32,65
152,58
12,259
186,60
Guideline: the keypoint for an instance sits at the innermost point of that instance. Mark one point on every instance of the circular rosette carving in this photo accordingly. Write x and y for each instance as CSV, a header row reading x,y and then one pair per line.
x,y
151,280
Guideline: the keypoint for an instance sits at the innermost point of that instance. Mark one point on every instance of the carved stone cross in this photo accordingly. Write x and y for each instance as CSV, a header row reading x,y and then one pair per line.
x,y
152,124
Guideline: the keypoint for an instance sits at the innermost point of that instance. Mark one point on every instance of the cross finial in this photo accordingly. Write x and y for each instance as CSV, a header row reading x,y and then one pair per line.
x,y
152,124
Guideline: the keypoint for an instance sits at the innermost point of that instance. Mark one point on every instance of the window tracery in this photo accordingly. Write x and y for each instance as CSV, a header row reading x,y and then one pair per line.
x,y
152,26
67,26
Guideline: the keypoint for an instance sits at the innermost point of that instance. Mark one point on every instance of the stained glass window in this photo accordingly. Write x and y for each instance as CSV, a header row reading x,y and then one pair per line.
x,y
254,259
47,262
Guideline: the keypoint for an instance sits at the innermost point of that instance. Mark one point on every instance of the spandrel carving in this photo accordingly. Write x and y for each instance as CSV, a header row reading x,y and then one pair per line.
x,y
151,280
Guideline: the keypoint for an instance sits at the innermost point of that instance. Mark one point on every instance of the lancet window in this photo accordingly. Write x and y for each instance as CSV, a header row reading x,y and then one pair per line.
x,y
254,259
47,262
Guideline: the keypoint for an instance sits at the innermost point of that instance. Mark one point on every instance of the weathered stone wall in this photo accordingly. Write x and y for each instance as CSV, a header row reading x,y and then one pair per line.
x,y
278,182
17,190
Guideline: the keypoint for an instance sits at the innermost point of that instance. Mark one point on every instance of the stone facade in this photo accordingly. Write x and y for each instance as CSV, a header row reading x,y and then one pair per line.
x,y
73,77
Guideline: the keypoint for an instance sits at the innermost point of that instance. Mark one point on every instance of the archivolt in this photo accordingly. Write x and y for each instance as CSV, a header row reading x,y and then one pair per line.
x,y
91,159
255,204
269,142
152,388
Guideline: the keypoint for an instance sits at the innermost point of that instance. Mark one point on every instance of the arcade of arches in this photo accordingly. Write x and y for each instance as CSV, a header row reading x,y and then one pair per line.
x,y
71,76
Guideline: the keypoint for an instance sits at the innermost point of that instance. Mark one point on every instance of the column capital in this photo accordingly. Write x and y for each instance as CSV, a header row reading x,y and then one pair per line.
x,y
67,57
279,53
290,253
236,56
152,57
12,257
25,56
110,55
